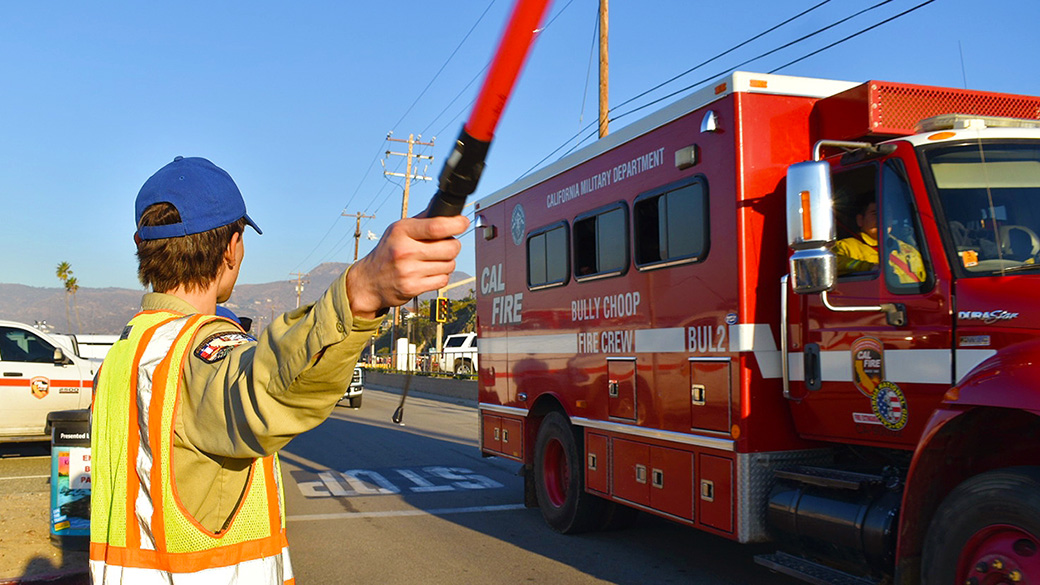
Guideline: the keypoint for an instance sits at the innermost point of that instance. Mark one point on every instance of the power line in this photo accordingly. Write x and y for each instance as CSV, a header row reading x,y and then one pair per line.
x,y
766,54
565,142
382,200
478,76
448,60
724,53
854,35
380,151
457,96
715,76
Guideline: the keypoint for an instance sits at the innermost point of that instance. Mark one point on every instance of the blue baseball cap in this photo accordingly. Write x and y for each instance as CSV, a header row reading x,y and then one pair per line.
x,y
203,193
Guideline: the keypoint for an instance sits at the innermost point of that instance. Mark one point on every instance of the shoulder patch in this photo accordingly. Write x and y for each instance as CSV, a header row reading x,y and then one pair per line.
x,y
217,346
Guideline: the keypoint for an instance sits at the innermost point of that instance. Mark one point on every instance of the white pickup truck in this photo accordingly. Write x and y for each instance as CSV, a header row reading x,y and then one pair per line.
x,y
355,390
460,354
37,376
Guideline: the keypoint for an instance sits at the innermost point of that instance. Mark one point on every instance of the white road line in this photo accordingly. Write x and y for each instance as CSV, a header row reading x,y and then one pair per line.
x,y
27,477
398,513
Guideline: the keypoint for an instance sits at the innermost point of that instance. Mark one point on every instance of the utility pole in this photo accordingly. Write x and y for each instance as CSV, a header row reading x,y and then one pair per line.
x,y
299,285
408,176
357,230
604,69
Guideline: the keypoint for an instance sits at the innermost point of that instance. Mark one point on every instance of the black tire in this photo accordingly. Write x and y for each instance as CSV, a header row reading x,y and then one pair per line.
x,y
464,368
355,402
560,479
992,516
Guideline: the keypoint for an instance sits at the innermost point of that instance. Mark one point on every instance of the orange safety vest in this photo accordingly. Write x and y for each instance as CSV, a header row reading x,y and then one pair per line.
x,y
140,531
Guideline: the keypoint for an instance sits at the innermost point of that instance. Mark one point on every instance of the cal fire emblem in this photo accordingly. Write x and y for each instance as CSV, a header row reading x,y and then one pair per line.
x,y
40,386
868,365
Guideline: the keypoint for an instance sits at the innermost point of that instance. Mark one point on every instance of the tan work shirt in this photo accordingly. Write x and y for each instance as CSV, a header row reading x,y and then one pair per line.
x,y
255,398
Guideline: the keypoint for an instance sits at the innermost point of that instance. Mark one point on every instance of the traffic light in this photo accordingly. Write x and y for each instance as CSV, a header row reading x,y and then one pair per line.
x,y
439,308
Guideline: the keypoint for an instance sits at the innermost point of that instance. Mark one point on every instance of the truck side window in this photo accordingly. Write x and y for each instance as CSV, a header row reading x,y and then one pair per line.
x,y
856,220
905,268
601,242
671,224
547,257
18,345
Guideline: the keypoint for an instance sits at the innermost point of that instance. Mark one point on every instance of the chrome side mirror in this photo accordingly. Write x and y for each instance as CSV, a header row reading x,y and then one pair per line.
x,y
810,227
814,270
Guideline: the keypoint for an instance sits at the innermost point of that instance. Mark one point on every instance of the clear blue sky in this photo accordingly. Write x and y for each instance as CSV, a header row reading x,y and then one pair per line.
x,y
295,101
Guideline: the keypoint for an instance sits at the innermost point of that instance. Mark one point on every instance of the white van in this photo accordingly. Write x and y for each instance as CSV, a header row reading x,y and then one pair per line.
x,y
38,375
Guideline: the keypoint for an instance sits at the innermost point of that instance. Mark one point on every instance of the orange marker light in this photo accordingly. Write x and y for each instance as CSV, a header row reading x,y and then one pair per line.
x,y
942,135
759,83
806,217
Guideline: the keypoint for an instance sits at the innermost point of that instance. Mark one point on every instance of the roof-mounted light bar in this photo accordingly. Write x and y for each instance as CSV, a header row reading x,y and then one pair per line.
x,y
970,122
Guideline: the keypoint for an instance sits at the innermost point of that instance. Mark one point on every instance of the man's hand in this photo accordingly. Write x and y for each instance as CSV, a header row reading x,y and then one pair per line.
x,y
414,256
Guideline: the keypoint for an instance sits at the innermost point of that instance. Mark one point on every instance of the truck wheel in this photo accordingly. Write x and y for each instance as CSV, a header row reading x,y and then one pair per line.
x,y
987,531
355,402
560,480
464,368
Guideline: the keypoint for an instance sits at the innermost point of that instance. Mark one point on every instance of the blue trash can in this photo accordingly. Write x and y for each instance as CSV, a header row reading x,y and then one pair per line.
x,y
70,478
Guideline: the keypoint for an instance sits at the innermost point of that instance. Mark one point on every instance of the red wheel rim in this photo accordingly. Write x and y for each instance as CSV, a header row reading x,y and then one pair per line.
x,y
555,472
1000,554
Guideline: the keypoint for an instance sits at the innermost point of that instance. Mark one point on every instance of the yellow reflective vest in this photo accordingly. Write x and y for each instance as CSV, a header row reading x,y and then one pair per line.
x,y
141,531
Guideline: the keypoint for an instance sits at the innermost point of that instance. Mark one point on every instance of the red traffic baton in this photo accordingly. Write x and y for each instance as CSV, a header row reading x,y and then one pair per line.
x,y
462,169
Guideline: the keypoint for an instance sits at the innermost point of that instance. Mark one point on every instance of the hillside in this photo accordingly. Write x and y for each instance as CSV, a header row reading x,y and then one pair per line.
x,y
106,310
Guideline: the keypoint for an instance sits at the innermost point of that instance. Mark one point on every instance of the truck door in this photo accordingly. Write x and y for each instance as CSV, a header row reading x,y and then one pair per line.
x,y
859,373
32,383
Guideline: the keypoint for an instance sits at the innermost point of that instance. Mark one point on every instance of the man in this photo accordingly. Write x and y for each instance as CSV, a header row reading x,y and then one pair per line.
x,y
190,410
860,253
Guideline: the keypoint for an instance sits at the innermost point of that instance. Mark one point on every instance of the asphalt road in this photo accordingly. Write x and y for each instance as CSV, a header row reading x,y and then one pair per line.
x,y
369,501
24,467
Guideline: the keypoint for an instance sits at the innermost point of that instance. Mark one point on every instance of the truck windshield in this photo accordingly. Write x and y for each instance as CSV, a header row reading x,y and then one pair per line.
x,y
989,193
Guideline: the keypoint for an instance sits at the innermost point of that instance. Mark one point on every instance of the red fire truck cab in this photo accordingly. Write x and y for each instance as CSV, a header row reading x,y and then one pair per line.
x,y
782,309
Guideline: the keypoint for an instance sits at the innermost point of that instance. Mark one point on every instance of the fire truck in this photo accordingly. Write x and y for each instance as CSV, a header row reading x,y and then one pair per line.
x,y
685,318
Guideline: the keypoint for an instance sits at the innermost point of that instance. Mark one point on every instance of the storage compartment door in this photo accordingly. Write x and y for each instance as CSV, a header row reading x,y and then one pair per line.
x,y
512,438
715,492
630,471
596,463
710,394
621,388
671,481
492,433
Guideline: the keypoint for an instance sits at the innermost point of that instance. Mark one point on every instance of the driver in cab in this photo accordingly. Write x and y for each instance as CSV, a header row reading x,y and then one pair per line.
x,y
859,253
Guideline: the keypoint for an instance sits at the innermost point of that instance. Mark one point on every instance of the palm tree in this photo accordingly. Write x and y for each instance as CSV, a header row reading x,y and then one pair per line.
x,y
71,286
63,272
